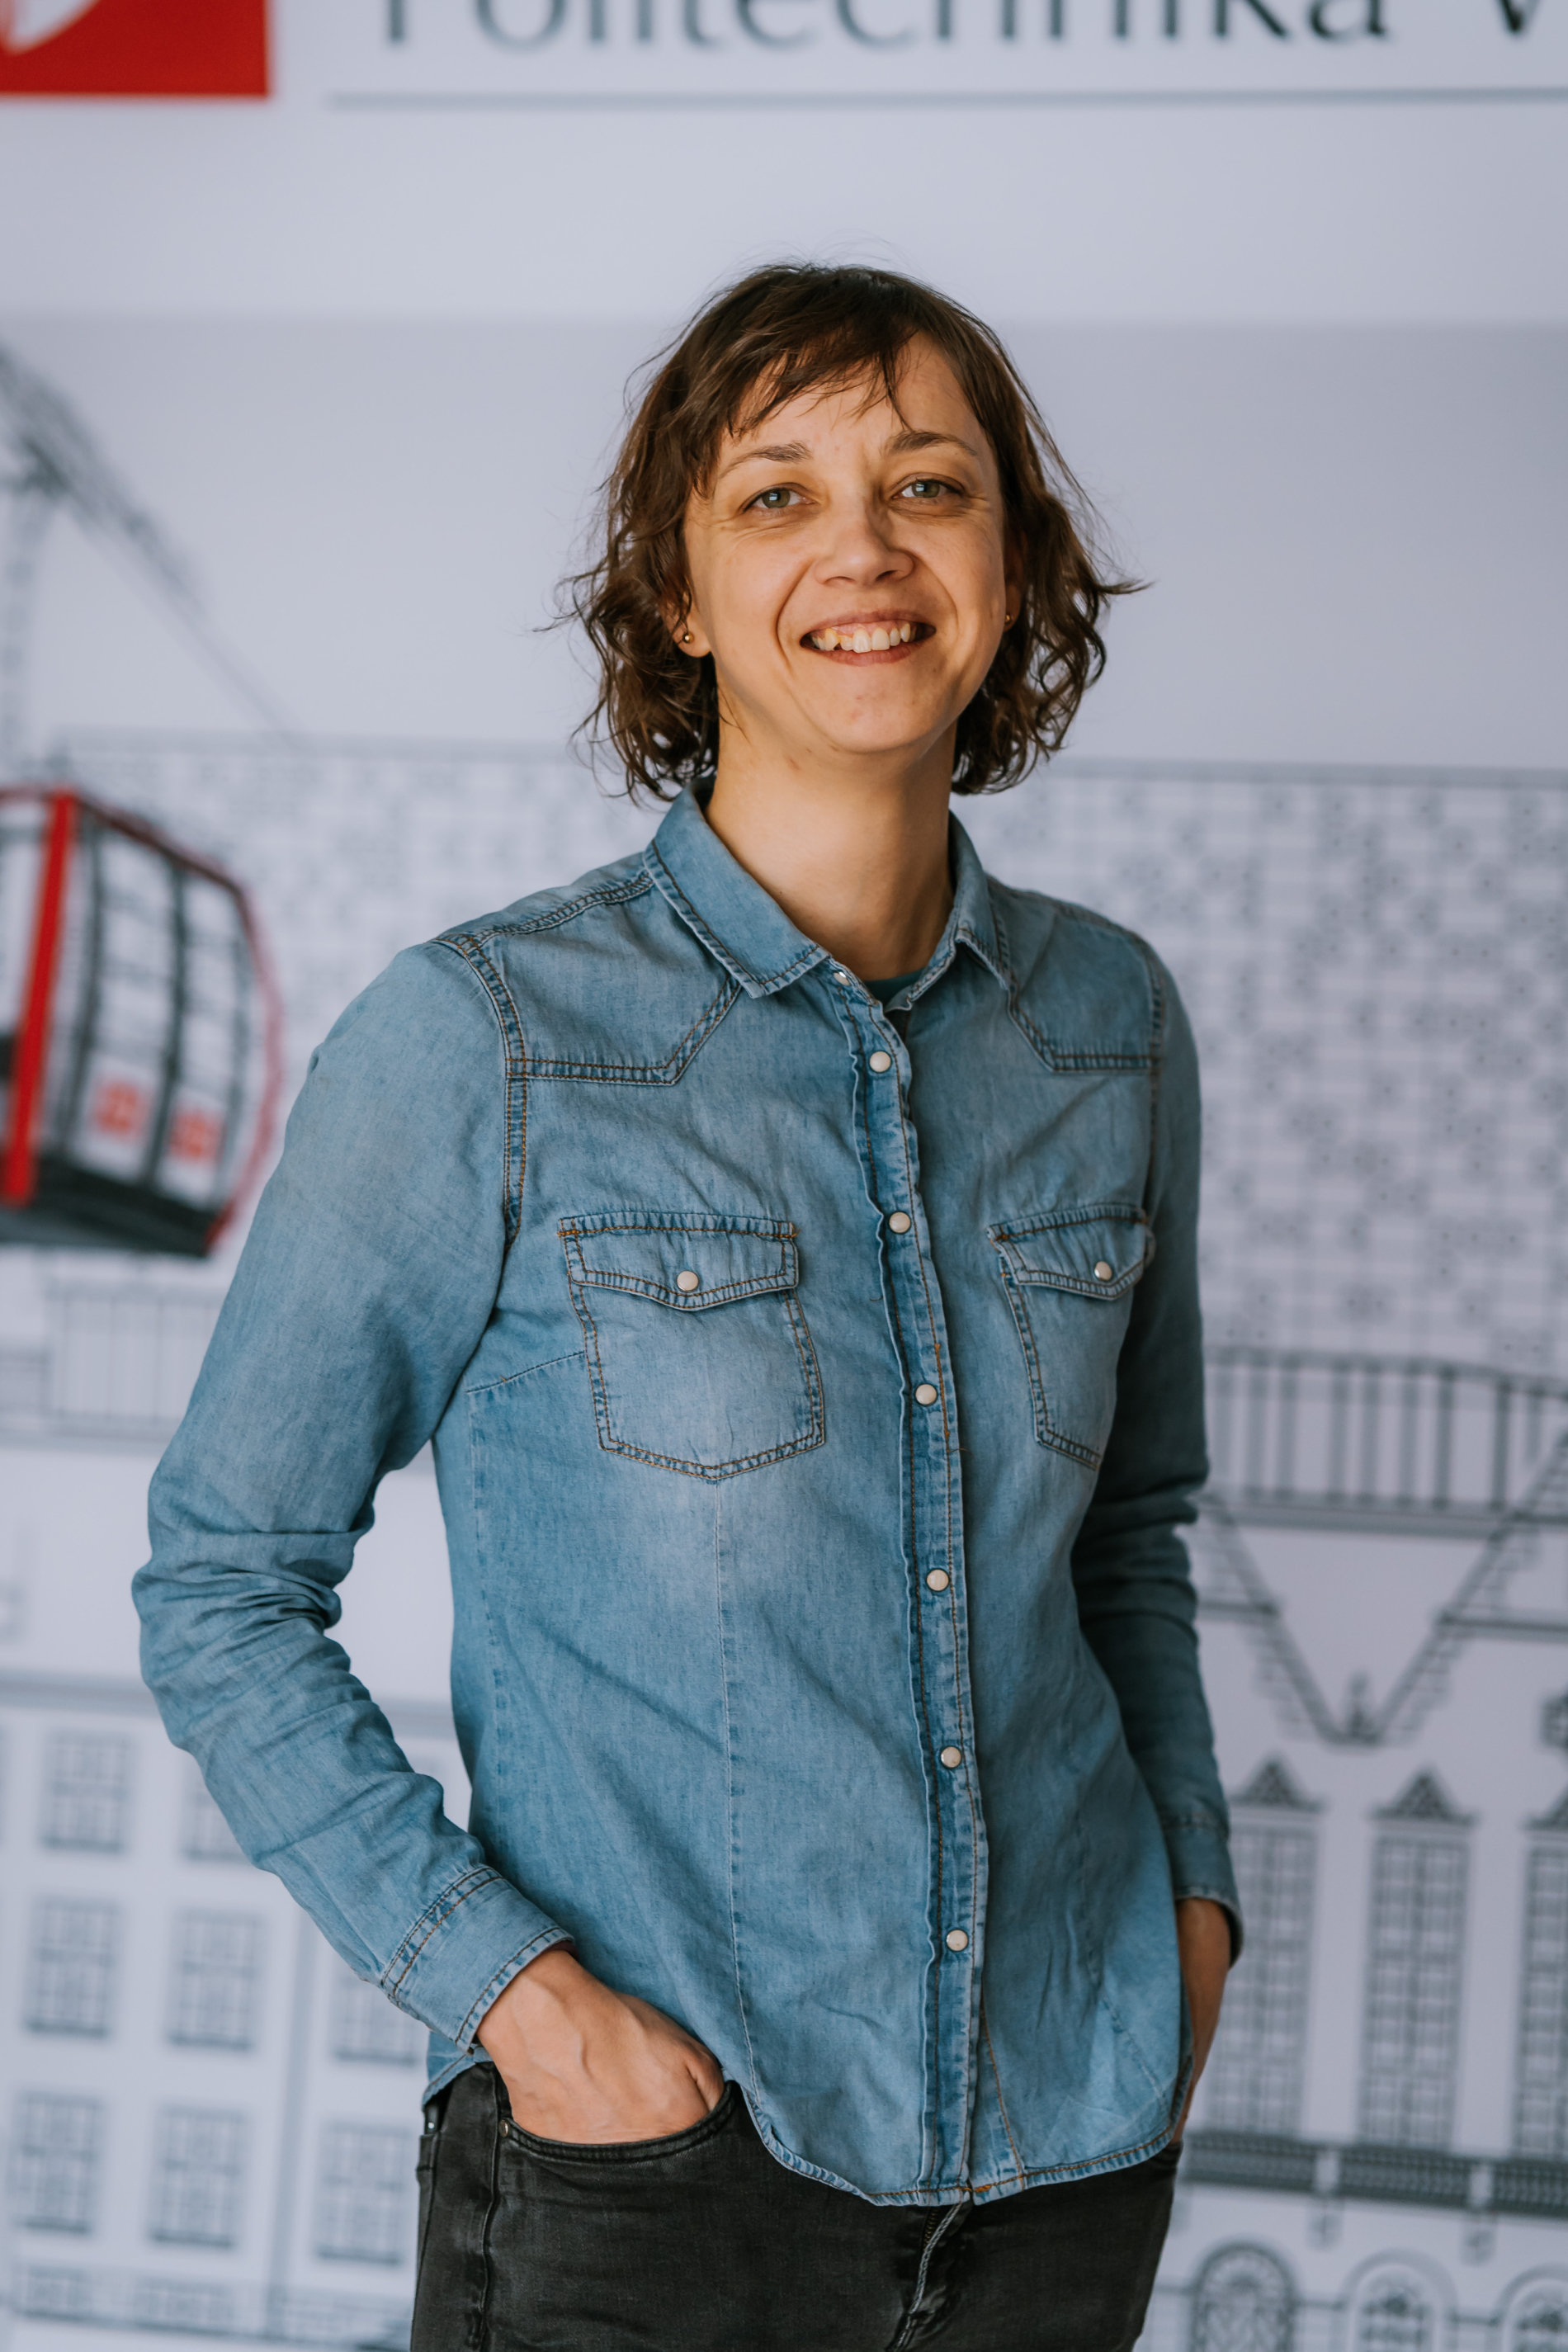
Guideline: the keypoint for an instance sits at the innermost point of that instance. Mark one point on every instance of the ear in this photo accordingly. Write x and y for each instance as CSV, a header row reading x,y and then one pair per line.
x,y
686,628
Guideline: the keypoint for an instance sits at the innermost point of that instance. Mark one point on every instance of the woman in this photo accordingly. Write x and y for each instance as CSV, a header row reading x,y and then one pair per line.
x,y
785,1238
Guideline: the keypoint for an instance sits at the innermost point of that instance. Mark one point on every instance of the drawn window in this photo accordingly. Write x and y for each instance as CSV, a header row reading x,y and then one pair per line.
x,y
1541,2109
1244,2303
205,1835
1540,2321
87,1792
191,2307
367,2026
362,2197
70,1975
215,1980
54,2161
1254,2079
197,2174
50,2290
1414,1972
1395,2314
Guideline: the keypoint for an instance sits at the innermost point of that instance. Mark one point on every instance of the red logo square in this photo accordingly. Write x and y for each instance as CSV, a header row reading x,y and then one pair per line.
x,y
133,48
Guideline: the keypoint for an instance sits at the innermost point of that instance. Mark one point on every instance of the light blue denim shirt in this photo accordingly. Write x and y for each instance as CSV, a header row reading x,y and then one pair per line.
x,y
814,1408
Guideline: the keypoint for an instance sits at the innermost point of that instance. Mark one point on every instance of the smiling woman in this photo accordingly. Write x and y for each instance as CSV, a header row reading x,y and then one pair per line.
x,y
730,433
786,1239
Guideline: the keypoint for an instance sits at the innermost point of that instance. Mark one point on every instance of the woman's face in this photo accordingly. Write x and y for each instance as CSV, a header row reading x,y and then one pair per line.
x,y
849,570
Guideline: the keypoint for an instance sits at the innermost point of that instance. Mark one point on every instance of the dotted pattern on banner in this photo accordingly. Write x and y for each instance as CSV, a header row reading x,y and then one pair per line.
x,y
1377,968
1376,963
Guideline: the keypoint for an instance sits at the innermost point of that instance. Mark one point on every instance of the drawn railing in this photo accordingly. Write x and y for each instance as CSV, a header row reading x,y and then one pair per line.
x,y
1297,1436
1530,2188
1305,1436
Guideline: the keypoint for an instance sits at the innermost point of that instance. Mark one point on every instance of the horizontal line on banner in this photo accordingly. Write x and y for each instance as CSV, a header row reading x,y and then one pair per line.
x,y
577,101
156,741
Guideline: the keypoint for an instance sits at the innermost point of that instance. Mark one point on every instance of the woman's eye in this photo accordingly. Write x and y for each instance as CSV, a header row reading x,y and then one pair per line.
x,y
773,501
926,491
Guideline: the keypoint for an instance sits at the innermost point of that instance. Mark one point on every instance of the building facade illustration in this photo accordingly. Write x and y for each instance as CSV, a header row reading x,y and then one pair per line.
x,y
211,2125
208,2120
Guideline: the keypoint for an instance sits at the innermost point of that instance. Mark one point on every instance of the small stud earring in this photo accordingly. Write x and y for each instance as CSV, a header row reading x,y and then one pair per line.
x,y
686,636
1007,620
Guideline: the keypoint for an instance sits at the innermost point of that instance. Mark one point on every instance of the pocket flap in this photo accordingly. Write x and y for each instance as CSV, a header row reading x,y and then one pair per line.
x,y
688,1262
1100,1251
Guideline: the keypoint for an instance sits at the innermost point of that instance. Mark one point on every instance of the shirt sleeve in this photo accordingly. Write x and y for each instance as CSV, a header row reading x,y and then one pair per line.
x,y
1135,1597
367,1279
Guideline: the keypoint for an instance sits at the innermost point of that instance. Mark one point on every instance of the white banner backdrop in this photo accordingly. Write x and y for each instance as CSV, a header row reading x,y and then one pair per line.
x,y
1324,774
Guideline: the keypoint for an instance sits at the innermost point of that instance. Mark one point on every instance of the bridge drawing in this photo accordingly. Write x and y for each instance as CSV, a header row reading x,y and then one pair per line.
x,y
1384,1445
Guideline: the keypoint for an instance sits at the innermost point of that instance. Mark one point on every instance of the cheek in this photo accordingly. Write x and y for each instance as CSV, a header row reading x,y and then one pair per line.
x,y
746,604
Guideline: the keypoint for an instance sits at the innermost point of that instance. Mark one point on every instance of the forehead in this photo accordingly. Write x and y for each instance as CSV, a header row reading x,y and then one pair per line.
x,y
930,399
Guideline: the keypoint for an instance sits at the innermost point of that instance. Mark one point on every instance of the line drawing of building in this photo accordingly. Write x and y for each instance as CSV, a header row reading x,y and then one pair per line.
x,y
1379,2155
209,2122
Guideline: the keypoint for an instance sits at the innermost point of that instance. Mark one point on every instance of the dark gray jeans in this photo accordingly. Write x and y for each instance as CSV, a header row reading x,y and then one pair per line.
x,y
702,2242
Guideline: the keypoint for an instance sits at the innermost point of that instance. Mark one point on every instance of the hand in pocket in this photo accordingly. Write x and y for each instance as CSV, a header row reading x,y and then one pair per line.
x,y
583,2063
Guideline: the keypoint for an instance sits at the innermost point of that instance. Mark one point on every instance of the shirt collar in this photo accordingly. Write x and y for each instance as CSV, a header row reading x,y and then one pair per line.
x,y
750,933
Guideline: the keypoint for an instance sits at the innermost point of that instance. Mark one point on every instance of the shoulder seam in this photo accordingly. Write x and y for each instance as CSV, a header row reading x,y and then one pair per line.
x,y
612,894
1067,909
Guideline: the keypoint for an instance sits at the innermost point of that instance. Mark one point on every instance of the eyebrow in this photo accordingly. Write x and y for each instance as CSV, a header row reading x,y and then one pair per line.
x,y
789,453
778,452
910,439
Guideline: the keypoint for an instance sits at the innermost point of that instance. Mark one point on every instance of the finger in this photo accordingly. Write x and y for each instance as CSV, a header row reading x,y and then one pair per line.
x,y
707,2075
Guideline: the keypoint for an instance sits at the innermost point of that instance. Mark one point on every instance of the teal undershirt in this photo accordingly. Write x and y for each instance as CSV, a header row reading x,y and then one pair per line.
x,y
884,991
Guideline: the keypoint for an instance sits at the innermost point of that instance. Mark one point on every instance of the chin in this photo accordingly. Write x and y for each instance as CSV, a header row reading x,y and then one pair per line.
x,y
880,734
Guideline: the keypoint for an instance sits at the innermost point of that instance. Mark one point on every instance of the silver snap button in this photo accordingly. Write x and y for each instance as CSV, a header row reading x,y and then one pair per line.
x,y
1103,1271
925,1393
957,1941
939,1579
839,973
688,1281
881,1062
952,1757
899,1221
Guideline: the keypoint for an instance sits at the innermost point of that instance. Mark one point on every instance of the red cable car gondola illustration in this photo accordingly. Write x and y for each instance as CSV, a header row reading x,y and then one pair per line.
x,y
141,1035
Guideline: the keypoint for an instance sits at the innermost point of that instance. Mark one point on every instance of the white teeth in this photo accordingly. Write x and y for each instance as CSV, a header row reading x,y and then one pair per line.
x,y
862,641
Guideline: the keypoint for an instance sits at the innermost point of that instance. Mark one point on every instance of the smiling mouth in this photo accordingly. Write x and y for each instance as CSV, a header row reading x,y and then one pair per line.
x,y
869,637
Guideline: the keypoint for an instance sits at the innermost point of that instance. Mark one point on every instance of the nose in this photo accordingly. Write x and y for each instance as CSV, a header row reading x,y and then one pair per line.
x,y
859,550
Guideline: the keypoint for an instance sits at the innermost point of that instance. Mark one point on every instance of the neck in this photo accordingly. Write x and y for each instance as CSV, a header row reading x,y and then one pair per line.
x,y
856,856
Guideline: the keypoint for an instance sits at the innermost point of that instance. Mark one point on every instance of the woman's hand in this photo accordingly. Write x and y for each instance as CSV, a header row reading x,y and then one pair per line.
x,y
581,2063
1203,1942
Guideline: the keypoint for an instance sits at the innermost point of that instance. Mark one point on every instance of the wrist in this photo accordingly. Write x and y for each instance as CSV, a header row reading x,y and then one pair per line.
x,y
534,2001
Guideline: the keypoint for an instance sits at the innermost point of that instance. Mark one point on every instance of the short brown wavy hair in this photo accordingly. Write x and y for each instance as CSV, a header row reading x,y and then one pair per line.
x,y
796,327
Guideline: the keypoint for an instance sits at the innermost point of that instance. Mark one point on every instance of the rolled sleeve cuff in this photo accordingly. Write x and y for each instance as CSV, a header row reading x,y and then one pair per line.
x,y
1200,1861
461,1954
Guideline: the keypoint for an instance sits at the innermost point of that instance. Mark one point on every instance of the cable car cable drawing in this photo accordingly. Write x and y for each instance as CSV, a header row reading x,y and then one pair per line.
x,y
59,467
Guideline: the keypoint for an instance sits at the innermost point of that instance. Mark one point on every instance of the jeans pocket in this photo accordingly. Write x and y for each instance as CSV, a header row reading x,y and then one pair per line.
x,y
625,2151
425,2165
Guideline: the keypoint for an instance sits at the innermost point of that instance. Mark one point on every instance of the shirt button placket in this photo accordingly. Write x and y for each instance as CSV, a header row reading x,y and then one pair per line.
x,y
934,1516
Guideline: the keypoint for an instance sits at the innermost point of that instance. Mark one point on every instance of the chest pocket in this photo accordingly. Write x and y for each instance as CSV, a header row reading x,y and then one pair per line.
x,y
1069,1276
697,1351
